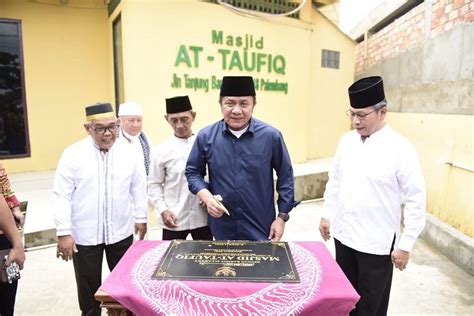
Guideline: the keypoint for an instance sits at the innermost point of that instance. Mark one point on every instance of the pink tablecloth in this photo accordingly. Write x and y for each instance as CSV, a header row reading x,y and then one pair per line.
x,y
323,290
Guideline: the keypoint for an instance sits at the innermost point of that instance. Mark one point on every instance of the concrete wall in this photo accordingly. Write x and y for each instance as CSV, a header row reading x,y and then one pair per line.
x,y
449,241
426,60
432,77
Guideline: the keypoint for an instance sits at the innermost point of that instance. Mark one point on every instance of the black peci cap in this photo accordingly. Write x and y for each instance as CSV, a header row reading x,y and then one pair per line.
x,y
237,86
366,92
178,104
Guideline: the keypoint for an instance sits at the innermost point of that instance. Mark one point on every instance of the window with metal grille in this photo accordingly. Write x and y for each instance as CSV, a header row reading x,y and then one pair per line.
x,y
266,6
330,59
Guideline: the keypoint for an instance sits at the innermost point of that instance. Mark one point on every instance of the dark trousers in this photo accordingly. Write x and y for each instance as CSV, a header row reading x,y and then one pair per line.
x,y
7,290
201,233
371,277
88,269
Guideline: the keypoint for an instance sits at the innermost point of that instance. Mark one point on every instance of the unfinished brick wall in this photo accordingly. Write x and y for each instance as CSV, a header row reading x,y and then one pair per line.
x,y
409,30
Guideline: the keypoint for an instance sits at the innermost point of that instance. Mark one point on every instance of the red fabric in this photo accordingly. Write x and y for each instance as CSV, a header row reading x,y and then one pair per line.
x,y
12,201
323,290
5,186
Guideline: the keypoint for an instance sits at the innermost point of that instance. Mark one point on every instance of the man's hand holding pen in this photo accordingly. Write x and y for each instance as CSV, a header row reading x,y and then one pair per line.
x,y
219,201
214,204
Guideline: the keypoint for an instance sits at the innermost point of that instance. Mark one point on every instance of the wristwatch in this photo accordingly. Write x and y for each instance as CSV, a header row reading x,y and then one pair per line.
x,y
284,216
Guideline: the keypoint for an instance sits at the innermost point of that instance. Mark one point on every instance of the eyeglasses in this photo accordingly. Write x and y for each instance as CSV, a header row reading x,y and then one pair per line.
x,y
102,129
359,115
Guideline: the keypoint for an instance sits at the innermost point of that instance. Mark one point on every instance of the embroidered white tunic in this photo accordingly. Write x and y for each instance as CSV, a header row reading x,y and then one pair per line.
x,y
368,183
134,142
168,187
95,194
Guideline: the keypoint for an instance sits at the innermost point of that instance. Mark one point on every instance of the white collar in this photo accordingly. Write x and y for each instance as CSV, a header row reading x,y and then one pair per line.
x,y
240,132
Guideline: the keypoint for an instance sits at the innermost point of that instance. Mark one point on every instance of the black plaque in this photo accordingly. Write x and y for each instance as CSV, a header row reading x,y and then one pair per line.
x,y
250,261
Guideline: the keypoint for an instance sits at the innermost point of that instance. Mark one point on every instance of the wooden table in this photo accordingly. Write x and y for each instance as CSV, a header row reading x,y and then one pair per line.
x,y
113,307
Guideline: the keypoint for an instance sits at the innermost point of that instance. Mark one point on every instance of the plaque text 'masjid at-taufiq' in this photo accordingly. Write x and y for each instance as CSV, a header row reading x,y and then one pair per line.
x,y
235,260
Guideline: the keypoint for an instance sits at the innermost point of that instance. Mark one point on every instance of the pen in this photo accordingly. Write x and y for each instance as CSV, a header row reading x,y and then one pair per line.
x,y
218,199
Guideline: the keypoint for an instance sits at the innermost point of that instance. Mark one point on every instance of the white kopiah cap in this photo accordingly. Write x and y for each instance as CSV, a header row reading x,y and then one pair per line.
x,y
130,108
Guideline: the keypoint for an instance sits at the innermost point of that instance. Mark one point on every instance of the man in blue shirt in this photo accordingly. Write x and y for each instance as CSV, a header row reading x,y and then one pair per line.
x,y
240,153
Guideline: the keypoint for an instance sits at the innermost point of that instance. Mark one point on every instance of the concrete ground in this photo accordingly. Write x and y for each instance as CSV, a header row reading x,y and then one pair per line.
x,y
431,284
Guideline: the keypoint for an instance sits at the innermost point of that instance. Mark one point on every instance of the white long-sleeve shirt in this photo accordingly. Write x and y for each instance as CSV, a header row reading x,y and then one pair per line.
x,y
168,187
368,183
140,143
134,142
95,194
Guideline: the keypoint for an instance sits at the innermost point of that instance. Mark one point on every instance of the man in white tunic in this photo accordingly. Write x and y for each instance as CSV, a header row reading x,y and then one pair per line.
x,y
98,185
178,210
131,128
375,171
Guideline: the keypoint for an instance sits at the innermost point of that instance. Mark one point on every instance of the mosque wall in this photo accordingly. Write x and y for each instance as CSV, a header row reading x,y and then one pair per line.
x,y
172,48
186,48
66,53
